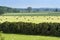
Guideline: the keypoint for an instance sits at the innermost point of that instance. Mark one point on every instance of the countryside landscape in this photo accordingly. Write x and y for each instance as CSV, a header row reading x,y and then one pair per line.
x,y
29,22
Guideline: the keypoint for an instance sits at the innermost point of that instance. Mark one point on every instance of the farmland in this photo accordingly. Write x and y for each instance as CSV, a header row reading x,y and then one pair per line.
x,y
29,23
33,14
31,19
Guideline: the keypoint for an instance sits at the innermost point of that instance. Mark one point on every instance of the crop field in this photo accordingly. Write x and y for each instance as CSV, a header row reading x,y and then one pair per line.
x,y
31,19
27,37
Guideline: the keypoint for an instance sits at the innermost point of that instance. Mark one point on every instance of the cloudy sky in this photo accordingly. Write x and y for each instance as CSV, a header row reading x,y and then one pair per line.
x,y
31,3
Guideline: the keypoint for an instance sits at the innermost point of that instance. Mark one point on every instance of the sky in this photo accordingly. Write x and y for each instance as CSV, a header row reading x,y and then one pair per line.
x,y
31,3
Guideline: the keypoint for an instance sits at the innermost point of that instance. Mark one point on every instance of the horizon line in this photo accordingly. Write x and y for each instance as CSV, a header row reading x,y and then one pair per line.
x,y
30,6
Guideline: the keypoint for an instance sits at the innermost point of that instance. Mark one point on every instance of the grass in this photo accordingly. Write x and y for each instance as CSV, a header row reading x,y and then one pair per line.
x,y
24,14
28,37
33,14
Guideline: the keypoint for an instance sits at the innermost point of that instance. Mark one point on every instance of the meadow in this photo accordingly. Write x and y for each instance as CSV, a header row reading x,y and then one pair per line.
x,y
28,37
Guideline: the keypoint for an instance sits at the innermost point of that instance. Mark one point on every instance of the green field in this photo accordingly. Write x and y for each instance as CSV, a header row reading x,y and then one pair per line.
x,y
28,37
33,14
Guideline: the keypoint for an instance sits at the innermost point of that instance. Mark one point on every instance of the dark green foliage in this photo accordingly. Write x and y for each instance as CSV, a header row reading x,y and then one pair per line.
x,y
29,9
56,10
31,28
1,11
4,9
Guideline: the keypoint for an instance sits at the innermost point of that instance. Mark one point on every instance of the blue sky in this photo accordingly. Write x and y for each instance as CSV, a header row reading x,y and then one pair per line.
x,y
31,3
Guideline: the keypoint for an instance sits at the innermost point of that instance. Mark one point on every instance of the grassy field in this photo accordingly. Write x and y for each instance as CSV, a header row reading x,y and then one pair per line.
x,y
24,14
33,14
28,37
31,19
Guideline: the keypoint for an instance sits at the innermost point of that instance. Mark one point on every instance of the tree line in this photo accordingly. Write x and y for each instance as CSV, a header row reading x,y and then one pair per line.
x,y
31,28
4,9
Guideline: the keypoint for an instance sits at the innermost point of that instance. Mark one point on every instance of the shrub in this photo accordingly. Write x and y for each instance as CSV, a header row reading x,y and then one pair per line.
x,y
31,28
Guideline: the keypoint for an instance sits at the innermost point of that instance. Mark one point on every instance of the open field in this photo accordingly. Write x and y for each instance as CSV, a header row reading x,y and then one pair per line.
x,y
28,37
32,19
33,14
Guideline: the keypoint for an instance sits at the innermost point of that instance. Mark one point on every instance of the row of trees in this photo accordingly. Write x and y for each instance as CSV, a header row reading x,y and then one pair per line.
x,y
13,10
4,9
31,28
36,10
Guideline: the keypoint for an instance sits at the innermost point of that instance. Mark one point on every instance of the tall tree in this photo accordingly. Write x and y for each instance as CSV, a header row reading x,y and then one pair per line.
x,y
56,10
29,9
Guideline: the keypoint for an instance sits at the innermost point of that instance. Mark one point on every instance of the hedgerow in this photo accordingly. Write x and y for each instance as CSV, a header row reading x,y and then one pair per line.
x,y
31,28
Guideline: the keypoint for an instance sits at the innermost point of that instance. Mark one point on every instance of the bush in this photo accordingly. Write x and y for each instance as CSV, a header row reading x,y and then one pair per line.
x,y
31,28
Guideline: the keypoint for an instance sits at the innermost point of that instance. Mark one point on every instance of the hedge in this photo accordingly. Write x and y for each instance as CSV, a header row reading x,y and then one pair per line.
x,y
31,28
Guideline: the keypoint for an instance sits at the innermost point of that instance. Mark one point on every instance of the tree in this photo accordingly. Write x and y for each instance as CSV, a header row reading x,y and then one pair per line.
x,y
29,9
56,10
1,11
